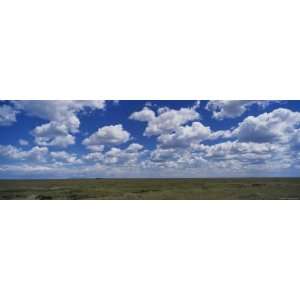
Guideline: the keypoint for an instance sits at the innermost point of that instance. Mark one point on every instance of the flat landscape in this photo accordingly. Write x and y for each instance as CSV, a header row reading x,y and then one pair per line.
x,y
246,188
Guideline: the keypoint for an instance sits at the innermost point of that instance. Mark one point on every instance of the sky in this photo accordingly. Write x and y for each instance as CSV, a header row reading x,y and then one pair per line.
x,y
149,139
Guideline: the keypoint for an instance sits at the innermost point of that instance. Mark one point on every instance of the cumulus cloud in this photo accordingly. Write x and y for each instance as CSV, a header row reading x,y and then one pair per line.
x,y
114,156
26,170
107,135
62,116
65,157
170,125
7,115
145,115
236,150
220,134
53,134
94,156
185,135
222,109
11,152
62,110
37,153
280,125
166,121
162,155
128,157
95,148
231,158
134,147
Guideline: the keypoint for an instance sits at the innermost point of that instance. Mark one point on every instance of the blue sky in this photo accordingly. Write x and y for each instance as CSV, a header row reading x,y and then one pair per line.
x,y
67,139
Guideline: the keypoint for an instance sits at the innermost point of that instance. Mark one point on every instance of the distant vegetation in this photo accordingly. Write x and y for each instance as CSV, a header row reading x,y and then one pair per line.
x,y
254,188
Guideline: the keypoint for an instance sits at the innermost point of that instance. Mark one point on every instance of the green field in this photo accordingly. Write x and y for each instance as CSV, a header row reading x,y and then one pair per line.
x,y
247,188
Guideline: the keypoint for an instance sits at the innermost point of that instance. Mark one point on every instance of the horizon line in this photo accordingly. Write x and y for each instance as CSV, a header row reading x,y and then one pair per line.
x,y
144,178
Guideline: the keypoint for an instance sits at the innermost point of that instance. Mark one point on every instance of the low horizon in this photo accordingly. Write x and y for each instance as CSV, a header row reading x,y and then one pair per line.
x,y
144,178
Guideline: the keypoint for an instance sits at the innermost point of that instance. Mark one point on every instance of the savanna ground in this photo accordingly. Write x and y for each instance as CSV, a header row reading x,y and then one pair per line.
x,y
246,188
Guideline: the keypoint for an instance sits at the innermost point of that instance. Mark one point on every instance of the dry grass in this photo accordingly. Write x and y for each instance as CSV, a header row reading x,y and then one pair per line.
x,y
250,188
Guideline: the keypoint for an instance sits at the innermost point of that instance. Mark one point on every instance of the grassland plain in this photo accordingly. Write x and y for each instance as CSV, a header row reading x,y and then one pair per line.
x,y
231,188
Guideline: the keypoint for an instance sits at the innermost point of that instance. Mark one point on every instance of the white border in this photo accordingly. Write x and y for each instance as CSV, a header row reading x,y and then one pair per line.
x,y
149,250
137,49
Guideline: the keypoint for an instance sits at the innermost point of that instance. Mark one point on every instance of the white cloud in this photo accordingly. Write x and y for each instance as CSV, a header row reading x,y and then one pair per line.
x,y
53,134
134,147
128,156
220,134
145,115
10,151
185,136
113,156
62,110
36,153
161,155
94,156
166,121
7,115
224,159
222,109
65,157
107,135
280,126
238,151
24,170
95,148
62,117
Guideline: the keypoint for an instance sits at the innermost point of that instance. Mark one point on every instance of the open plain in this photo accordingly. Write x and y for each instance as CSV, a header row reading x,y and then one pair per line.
x,y
245,188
